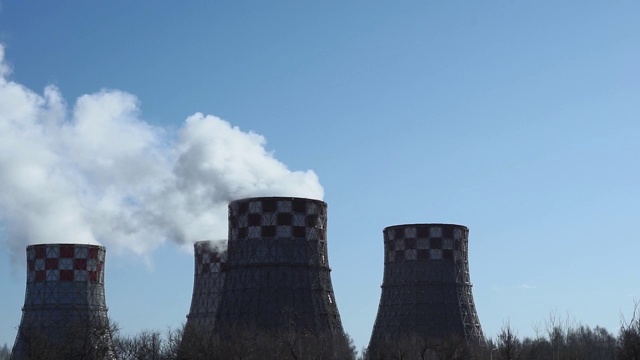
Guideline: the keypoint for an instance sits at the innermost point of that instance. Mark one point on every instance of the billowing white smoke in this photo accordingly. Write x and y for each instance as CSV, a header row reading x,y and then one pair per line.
x,y
101,174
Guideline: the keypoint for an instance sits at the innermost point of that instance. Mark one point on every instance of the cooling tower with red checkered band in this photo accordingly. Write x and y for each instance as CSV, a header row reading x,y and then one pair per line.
x,y
277,275
426,289
64,308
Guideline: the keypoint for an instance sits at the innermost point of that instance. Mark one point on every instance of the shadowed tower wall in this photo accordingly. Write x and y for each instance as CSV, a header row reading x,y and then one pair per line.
x,y
207,288
207,285
426,289
64,311
277,275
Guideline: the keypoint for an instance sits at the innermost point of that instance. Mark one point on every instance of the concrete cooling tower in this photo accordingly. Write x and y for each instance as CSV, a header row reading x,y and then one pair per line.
x,y
64,309
277,275
426,290
207,287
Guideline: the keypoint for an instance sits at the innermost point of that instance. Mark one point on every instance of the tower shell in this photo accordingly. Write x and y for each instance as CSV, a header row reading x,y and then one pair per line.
x,y
207,287
426,289
207,284
64,310
277,275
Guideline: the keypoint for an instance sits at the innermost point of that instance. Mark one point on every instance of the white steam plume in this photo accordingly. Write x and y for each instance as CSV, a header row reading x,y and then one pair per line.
x,y
98,173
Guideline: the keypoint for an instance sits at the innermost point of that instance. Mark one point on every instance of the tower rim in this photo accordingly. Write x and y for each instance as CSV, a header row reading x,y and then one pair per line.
x,y
67,244
424,224
275,198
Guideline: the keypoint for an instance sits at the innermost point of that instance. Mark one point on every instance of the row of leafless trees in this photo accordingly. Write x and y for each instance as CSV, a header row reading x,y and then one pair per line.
x,y
235,344
105,342
557,339
563,340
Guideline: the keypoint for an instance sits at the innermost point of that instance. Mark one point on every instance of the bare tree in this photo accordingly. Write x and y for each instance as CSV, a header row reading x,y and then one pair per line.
x,y
584,343
150,345
4,352
629,337
509,346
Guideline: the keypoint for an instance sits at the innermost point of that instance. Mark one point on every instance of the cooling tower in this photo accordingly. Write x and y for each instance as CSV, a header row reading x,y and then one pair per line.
x,y
277,275
207,287
64,309
426,290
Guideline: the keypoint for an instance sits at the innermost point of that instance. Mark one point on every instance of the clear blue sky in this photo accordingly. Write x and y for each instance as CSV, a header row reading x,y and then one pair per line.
x,y
518,119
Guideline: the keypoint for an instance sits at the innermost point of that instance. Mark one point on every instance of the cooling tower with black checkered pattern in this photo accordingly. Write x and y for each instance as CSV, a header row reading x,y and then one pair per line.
x,y
277,275
207,287
426,289
64,311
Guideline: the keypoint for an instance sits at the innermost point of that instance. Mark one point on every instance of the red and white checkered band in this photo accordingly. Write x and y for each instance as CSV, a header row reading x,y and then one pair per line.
x,y
447,242
209,258
277,217
65,262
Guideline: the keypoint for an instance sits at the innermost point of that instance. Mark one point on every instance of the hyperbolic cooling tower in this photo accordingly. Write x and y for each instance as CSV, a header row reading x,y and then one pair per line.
x,y
426,290
207,286
277,274
64,309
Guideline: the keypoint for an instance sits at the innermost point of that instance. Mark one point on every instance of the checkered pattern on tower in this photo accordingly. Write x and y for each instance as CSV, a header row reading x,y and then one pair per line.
x,y
421,242
64,298
277,217
207,285
209,259
426,289
277,272
65,262
208,281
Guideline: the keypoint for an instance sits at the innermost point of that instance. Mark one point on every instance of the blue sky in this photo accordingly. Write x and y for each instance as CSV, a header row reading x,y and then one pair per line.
x,y
517,119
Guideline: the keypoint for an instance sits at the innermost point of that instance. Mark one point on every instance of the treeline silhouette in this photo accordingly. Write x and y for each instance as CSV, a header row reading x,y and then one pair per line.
x,y
557,339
